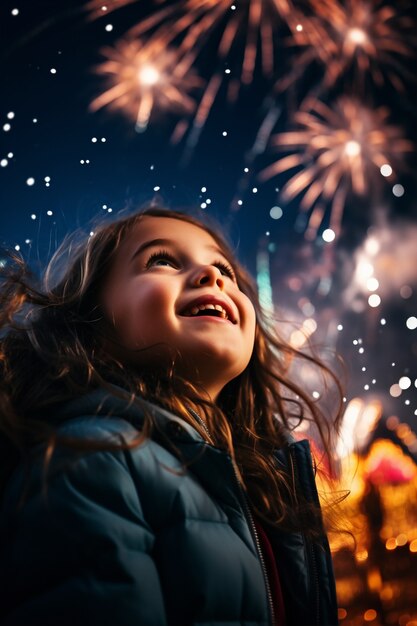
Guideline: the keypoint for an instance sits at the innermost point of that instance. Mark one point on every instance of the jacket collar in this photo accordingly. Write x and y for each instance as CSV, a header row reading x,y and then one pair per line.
x,y
212,466
119,403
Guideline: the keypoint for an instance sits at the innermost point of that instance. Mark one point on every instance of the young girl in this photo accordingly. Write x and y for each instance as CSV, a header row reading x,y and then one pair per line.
x,y
148,472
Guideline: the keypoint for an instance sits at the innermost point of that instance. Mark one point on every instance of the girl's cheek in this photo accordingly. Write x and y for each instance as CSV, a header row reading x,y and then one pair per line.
x,y
251,310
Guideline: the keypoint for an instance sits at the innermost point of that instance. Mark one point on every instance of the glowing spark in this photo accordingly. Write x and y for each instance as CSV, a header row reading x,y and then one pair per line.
x,y
357,36
352,148
143,76
148,75
366,36
338,149
101,8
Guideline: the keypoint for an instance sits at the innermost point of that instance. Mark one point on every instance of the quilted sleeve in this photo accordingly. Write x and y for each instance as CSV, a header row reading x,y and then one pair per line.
x,y
80,551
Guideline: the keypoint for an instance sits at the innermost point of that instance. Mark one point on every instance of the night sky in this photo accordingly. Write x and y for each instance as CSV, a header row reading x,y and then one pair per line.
x,y
66,162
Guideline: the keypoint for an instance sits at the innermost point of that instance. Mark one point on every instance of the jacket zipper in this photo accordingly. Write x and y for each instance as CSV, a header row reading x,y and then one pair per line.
x,y
316,582
255,536
311,551
202,424
249,518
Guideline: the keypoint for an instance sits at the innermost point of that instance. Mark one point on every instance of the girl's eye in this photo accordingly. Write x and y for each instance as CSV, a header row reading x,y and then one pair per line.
x,y
162,257
225,269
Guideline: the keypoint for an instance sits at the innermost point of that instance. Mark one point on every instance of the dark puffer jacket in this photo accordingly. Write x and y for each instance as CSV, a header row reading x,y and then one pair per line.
x,y
127,538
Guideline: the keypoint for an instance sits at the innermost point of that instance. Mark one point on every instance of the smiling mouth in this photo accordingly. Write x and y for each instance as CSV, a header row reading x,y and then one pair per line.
x,y
207,310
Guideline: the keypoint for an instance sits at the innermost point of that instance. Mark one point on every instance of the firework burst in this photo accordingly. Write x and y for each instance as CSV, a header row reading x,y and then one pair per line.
x,y
339,150
191,25
197,20
368,36
142,76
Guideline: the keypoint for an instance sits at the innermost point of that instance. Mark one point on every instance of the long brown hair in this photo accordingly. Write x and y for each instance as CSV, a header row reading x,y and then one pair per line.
x,y
52,350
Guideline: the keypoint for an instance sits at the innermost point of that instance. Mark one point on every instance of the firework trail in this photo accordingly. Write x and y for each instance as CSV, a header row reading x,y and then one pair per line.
x,y
259,145
258,19
255,18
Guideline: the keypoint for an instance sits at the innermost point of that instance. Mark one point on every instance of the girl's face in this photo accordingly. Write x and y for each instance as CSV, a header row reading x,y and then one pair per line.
x,y
166,278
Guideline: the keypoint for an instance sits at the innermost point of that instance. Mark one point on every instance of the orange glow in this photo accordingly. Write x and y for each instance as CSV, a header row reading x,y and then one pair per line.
x,y
401,540
392,422
374,579
382,514
409,439
370,615
386,532
361,555
387,593
386,463
403,430
341,613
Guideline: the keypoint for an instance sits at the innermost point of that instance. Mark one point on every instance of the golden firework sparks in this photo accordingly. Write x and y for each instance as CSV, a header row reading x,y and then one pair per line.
x,y
338,150
197,20
255,18
190,25
202,17
142,76
368,36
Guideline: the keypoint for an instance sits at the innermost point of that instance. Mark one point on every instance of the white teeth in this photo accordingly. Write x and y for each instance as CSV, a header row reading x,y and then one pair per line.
x,y
201,307
219,307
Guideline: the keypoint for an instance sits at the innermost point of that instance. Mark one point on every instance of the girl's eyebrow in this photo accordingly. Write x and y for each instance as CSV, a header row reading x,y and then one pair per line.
x,y
167,242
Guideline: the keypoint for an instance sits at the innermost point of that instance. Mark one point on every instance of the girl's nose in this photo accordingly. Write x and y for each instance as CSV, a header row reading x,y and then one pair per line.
x,y
207,276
